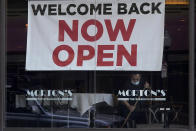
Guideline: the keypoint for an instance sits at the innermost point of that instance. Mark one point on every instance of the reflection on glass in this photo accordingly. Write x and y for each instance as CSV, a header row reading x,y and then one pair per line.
x,y
108,104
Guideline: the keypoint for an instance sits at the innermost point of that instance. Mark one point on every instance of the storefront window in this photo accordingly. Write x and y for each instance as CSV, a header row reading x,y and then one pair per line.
x,y
98,99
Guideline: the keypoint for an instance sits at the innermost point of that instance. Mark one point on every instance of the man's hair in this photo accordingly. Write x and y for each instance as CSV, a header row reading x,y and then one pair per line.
x,y
135,73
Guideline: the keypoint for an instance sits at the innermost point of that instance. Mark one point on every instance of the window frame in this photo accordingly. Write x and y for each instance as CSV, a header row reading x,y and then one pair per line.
x,y
3,37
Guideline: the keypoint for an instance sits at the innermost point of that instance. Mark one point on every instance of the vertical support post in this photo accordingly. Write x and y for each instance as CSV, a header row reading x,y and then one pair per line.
x,y
94,91
2,60
191,64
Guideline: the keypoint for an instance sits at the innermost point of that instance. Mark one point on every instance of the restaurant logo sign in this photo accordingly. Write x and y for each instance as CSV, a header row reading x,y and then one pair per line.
x,y
49,94
142,95
95,35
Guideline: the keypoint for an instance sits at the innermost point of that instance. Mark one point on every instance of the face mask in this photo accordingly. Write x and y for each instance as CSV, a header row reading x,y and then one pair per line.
x,y
135,83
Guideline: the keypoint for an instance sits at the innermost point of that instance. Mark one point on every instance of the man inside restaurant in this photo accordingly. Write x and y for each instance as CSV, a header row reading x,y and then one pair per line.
x,y
133,110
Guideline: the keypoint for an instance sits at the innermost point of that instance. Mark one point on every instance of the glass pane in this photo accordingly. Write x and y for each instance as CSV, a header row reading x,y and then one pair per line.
x,y
40,98
96,99
166,105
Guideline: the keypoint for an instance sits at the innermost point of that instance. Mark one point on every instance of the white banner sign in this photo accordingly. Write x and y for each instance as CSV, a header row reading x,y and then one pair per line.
x,y
95,35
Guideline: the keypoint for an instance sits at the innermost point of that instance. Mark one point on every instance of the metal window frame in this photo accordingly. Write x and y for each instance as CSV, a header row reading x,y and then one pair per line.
x,y
191,64
3,14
